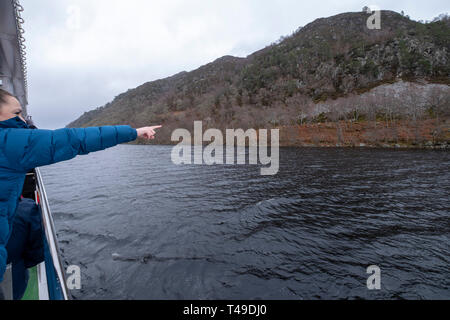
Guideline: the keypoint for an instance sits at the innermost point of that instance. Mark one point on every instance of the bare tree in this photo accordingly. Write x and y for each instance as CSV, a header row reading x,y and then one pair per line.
x,y
412,103
438,102
337,111
371,108
301,104
390,105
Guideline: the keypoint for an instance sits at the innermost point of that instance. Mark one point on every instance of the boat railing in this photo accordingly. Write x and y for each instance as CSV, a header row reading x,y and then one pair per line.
x,y
6,286
50,234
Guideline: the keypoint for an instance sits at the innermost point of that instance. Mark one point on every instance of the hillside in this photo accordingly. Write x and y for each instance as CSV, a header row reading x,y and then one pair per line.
x,y
293,82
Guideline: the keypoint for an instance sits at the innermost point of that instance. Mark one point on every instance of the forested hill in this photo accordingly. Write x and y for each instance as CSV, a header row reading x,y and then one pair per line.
x,y
328,59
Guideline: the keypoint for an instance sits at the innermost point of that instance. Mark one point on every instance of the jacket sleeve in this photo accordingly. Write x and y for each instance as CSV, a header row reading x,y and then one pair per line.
x,y
27,149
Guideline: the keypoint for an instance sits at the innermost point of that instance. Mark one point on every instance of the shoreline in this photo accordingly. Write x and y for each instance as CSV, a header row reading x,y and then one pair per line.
x,y
445,146
426,134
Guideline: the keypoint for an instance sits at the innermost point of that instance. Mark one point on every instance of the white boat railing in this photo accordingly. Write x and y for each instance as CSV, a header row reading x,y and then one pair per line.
x,y
50,233
6,288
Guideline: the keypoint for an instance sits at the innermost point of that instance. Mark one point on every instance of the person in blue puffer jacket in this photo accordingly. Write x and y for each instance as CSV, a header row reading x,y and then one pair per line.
x,y
22,150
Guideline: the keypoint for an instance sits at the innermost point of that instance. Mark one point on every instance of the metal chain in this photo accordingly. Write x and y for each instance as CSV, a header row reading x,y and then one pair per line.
x,y
18,9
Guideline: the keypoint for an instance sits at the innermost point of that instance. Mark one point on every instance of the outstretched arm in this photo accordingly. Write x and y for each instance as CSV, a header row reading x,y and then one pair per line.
x,y
28,149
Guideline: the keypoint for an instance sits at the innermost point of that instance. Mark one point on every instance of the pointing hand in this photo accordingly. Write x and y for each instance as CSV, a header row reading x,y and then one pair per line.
x,y
147,132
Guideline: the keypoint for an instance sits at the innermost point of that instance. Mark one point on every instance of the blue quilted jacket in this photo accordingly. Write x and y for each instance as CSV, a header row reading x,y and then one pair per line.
x,y
22,149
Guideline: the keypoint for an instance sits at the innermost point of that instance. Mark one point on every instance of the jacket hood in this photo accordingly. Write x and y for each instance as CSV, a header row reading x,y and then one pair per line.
x,y
13,123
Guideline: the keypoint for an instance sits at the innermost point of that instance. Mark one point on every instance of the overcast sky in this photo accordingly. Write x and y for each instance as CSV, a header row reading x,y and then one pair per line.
x,y
83,53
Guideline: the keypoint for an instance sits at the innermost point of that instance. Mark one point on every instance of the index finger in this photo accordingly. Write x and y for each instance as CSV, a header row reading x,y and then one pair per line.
x,y
156,127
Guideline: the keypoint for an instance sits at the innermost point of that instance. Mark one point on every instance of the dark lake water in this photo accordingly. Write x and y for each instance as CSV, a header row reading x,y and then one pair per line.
x,y
141,227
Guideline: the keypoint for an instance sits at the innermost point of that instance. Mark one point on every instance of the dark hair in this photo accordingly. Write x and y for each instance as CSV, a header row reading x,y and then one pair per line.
x,y
3,95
